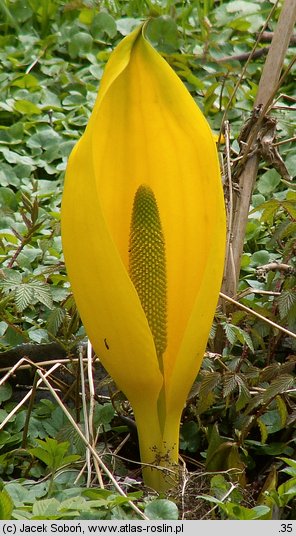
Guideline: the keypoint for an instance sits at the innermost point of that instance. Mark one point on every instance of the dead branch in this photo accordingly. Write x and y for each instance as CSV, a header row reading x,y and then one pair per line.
x,y
244,56
267,37
268,86
273,266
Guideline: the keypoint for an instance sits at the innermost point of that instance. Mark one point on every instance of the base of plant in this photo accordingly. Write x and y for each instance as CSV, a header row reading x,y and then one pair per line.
x,y
162,478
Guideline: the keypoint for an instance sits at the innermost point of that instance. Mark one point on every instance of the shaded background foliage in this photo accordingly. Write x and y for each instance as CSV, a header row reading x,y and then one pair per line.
x,y
240,416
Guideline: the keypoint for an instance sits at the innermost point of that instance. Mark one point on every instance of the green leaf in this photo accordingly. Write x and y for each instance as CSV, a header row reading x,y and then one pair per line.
x,y
245,338
43,455
17,492
163,32
26,81
126,25
238,512
80,44
11,279
24,295
263,431
230,332
244,394
8,199
5,392
268,182
209,381
235,333
26,107
45,508
103,24
219,486
103,414
289,461
286,300
42,293
289,471
38,335
260,257
75,503
282,409
229,383
278,385
161,509
242,6
287,491
6,505
189,436
55,320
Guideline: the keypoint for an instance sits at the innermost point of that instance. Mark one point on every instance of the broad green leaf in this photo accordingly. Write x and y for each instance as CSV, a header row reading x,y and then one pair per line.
x,y
6,505
26,81
205,402
97,493
17,492
8,199
260,257
269,210
210,380
38,335
257,200
75,503
278,385
161,509
289,471
163,32
45,508
219,486
126,24
229,383
239,512
230,332
43,455
26,107
42,294
4,436
103,24
11,279
55,320
206,398
190,437
244,394
80,44
5,392
103,414
268,182
24,295
286,300
242,6
287,491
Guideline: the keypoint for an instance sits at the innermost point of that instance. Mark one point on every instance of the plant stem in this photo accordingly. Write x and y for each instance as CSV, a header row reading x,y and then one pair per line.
x,y
267,89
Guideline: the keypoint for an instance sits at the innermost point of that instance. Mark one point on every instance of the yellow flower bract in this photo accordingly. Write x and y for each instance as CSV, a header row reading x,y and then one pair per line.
x,y
145,129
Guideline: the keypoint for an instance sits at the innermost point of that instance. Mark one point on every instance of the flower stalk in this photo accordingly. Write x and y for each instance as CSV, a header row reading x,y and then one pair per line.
x,y
143,229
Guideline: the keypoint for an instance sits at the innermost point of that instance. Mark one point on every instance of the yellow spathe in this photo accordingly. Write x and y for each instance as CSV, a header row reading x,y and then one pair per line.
x,y
145,129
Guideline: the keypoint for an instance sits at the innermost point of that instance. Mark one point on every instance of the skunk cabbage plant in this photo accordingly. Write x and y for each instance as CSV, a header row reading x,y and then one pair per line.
x,y
143,230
